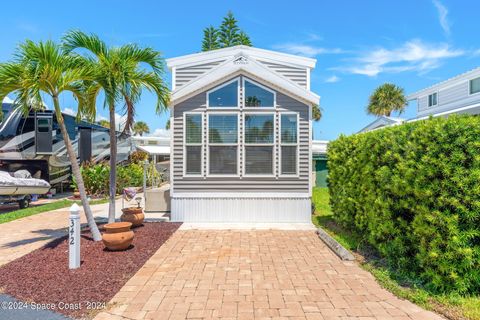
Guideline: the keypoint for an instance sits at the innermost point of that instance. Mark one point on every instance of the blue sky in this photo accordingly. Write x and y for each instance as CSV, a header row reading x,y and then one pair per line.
x,y
358,44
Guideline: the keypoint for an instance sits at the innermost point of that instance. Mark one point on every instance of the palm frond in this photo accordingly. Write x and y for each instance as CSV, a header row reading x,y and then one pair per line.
x,y
76,39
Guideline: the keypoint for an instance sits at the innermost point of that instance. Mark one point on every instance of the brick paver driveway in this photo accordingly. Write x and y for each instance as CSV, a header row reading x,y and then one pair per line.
x,y
254,275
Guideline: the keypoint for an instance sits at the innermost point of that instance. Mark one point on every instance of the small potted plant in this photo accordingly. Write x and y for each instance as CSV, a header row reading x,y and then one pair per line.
x,y
133,214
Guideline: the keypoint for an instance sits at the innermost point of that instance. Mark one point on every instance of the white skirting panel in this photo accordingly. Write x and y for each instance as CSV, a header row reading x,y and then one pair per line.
x,y
239,210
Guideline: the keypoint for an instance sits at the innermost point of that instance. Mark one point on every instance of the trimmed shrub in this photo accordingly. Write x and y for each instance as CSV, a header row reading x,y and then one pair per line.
x,y
413,192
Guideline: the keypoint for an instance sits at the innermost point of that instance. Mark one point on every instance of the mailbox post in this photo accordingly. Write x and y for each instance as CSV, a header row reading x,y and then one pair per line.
x,y
74,237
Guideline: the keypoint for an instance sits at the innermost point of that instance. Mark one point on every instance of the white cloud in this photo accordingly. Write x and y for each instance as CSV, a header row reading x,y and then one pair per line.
x,y
413,55
160,132
306,50
120,121
7,100
442,16
332,79
69,111
99,117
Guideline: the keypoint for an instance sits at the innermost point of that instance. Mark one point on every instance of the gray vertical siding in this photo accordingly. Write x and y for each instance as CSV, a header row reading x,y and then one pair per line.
x,y
207,184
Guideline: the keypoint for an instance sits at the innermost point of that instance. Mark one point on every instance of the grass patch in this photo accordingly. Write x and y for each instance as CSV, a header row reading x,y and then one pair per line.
x,y
22,213
452,306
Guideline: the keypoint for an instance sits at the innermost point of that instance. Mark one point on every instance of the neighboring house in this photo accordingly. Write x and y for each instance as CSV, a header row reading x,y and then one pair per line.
x,y
157,148
319,163
241,136
460,94
382,121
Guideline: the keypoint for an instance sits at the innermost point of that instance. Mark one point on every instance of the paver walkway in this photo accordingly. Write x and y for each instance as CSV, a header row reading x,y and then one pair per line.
x,y
19,237
254,275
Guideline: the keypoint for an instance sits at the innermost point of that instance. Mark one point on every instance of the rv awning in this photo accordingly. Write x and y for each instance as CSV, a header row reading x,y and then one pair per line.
x,y
155,150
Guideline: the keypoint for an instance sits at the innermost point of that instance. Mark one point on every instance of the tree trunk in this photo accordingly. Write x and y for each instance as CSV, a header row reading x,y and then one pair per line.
x,y
113,163
76,173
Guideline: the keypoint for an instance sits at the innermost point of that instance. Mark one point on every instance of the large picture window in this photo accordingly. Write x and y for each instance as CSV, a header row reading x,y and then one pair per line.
x,y
193,143
288,143
225,96
223,144
259,143
258,96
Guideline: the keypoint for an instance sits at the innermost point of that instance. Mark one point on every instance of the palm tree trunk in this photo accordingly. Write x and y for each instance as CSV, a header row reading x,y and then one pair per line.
x,y
113,163
76,173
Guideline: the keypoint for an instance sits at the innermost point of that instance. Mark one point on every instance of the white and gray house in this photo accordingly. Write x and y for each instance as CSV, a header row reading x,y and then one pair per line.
x,y
457,95
241,121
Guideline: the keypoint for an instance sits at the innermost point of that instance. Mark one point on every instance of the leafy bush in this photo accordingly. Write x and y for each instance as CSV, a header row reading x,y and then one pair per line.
x,y
97,177
138,156
413,192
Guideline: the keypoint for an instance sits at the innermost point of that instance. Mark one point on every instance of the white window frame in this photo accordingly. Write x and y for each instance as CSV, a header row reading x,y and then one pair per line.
x,y
261,86
428,99
237,79
236,113
245,144
470,87
201,144
295,144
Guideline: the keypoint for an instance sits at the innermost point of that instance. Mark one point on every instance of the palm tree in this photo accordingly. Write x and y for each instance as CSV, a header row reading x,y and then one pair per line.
x,y
386,99
43,68
141,127
316,112
119,75
104,123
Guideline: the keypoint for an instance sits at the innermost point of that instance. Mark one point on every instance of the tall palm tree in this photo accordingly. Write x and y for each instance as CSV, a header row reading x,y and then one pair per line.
x,y
121,78
141,127
386,99
43,68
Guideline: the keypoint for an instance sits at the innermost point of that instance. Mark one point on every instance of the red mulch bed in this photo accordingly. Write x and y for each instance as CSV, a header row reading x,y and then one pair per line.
x,y
42,276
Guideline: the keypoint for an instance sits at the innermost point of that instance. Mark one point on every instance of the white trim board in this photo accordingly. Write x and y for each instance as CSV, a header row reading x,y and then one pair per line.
x,y
213,55
243,195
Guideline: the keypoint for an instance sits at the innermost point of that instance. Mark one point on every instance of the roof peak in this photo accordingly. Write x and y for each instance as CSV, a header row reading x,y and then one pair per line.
x,y
231,51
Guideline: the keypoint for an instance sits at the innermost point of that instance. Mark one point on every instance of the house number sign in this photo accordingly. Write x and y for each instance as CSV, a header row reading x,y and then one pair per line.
x,y
74,237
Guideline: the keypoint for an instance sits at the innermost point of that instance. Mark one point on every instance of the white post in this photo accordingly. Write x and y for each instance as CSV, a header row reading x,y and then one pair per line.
x,y
74,237
145,168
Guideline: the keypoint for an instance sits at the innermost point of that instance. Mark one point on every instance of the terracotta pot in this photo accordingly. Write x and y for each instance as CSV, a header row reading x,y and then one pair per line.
x,y
134,215
118,235
76,195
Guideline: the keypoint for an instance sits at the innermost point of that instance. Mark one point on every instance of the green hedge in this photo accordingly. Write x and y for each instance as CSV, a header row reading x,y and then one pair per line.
x,y
413,192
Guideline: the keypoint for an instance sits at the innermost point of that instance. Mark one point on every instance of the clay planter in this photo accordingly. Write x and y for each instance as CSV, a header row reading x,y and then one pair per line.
x,y
134,215
76,195
117,236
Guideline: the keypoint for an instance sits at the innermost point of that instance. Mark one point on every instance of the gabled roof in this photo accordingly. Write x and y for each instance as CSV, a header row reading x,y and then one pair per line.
x,y
474,73
239,64
382,121
262,54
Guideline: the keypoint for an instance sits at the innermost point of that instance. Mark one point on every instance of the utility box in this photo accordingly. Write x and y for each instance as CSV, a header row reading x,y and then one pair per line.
x,y
158,199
